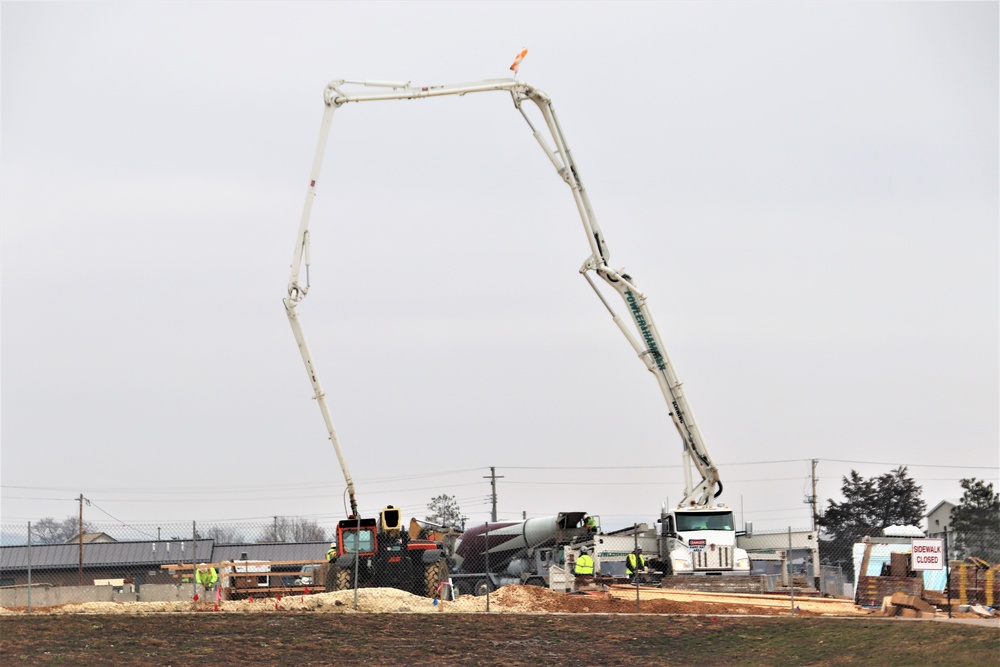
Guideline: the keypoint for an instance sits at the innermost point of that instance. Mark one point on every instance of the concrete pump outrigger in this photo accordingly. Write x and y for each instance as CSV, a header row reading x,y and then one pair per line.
x,y
642,335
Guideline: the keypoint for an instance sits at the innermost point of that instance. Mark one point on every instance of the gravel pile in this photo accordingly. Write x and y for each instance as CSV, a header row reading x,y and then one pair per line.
x,y
384,600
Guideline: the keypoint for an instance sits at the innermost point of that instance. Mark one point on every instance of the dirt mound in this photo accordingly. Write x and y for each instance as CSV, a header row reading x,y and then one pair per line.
x,y
507,599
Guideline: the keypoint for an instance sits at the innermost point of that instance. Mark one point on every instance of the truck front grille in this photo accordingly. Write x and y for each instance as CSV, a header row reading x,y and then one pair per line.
x,y
714,557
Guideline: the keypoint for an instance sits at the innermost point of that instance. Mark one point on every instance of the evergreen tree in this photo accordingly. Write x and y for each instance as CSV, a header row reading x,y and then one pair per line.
x,y
444,510
869,506
976,521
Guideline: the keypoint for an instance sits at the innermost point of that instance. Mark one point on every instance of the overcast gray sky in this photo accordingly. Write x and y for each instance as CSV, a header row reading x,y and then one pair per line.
x,y
808,193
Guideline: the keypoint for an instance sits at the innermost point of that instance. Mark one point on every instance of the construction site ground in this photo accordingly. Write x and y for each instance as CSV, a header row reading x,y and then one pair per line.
x,y
525,626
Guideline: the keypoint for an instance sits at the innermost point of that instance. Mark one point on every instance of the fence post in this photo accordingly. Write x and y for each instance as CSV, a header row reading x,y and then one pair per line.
x,y
788,566
635,572
29,567
947,570
357,560
489,579
194,565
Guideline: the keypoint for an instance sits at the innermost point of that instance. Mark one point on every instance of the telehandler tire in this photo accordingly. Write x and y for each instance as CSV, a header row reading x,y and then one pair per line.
x,y
434,575
338,579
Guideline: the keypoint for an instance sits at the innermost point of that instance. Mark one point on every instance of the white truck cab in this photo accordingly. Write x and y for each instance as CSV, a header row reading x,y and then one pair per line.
x,y
701,539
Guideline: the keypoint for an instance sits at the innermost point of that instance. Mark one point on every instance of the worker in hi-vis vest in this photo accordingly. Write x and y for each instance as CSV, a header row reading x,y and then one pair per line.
x,y
206,576
584,564
634,562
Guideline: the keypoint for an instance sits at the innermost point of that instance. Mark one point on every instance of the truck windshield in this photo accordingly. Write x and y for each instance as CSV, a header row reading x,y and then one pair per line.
x,y
704,521
355,538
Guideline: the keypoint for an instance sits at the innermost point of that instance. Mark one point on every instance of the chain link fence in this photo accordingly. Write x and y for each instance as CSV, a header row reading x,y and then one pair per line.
x,y
283,557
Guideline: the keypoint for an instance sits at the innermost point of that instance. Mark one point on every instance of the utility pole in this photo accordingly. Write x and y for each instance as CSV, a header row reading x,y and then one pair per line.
x,y
812,498
81,539
493,483
815,517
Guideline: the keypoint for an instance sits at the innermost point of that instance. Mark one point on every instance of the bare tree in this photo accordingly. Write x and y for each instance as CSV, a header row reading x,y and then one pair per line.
x,y
225,535
307,531
286,529
50,531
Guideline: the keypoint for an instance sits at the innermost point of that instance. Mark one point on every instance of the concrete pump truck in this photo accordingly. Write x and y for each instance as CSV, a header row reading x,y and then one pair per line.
x,y
695,536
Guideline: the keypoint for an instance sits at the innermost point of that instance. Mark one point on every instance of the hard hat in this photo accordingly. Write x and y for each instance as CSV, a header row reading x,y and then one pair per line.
x,y
638,548
333,545
202,565
584,550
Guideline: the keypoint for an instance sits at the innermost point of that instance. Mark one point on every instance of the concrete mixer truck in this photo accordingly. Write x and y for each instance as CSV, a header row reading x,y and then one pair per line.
x,y
491,555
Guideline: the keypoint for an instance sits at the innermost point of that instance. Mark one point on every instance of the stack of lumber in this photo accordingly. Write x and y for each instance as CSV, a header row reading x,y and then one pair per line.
x,y
907,606
829,606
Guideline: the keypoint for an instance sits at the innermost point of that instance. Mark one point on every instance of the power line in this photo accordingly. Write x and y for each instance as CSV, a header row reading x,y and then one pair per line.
x,y
299,487
910,465
93,504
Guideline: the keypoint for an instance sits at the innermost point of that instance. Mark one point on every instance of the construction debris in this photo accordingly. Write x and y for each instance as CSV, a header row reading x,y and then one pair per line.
x,y
907,606
981,611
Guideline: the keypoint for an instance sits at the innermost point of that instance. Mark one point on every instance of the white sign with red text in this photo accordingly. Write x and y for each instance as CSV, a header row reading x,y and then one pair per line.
x,y
928,554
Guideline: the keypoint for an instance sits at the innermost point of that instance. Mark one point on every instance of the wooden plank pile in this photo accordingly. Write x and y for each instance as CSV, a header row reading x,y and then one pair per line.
x,y
826,606
907,606
872,590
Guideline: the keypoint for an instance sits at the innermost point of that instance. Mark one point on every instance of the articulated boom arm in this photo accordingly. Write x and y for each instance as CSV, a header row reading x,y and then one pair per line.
x,y
645,339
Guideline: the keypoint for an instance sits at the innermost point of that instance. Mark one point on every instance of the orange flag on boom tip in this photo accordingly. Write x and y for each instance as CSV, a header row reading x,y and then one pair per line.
x,y
516,65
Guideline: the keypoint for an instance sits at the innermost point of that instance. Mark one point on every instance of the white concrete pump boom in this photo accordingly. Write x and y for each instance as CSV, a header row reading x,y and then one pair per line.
x,y
645,339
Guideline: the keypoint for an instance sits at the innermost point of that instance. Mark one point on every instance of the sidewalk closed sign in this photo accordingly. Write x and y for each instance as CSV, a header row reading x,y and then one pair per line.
x,y
928,554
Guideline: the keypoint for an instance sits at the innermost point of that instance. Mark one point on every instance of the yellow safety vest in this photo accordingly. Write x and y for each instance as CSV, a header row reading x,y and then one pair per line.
x,y
207,578
630,563
584,565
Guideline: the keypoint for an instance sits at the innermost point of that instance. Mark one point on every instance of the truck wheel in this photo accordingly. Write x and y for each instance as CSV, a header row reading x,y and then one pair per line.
x,y
434,574
338,579
483,587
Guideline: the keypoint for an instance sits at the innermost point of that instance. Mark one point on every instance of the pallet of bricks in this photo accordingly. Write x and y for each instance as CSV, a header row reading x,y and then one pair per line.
x,y
974,586
975,582
896,577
